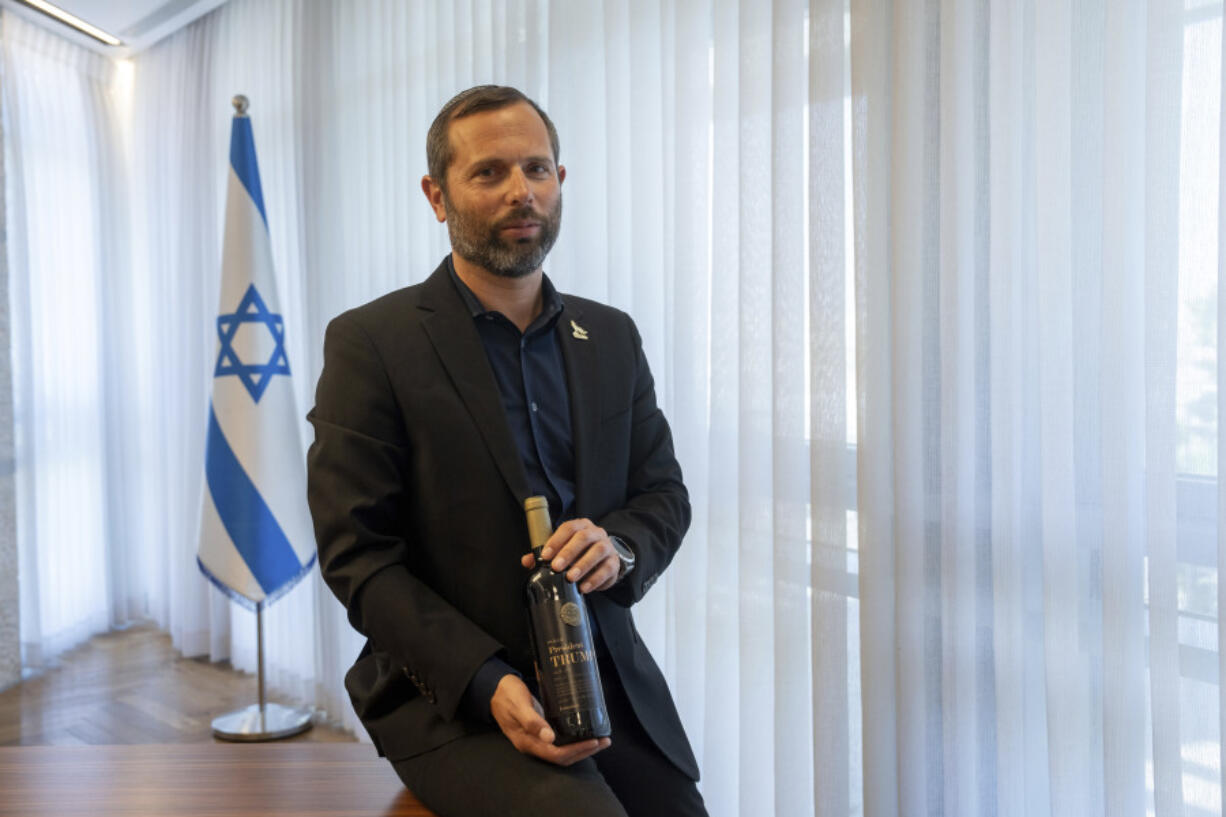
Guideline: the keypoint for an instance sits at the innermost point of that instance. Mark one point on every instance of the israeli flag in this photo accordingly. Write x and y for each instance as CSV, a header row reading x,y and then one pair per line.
x,y
256,539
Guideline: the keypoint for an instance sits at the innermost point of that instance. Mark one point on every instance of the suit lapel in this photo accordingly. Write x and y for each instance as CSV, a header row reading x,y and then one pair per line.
x,y
455,339
579,352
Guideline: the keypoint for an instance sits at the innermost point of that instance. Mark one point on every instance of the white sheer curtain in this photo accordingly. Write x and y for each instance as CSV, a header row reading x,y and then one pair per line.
x,y
67,229
928,288
1036,258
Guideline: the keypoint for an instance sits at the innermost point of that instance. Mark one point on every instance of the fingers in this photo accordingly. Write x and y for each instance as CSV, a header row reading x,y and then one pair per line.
x,y
601,577
514,708
574,752
518,715
583,550
566,755
541,745
570,540
532,730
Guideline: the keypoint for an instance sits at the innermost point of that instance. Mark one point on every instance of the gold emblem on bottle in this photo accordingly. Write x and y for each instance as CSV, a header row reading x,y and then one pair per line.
x,y
570,614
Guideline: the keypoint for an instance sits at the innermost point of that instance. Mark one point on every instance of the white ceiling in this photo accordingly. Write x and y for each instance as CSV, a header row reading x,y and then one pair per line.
x,y
139,23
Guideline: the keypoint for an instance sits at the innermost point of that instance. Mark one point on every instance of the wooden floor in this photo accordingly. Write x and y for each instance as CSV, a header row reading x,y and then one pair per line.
x,y
130,687
122,727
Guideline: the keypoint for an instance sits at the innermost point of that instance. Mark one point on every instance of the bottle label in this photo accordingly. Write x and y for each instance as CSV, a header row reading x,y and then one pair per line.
x,y
571,669
566,658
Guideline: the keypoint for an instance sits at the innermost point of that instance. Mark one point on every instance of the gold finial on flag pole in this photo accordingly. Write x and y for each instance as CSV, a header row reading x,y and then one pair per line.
x,y
240,105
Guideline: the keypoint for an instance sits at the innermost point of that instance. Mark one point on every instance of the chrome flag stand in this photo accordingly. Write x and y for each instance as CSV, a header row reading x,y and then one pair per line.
x,y
262,721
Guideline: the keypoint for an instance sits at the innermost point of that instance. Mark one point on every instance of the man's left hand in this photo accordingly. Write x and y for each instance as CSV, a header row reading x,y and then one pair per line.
x,y
584,552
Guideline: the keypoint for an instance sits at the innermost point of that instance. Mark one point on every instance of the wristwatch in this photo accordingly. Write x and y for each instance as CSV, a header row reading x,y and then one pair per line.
x,y
625,554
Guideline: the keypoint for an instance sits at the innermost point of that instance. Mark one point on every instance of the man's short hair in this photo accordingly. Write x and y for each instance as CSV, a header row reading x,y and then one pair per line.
x,y
475,100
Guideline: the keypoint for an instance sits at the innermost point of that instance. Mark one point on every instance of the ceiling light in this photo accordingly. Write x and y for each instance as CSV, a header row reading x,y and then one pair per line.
x,y
72,20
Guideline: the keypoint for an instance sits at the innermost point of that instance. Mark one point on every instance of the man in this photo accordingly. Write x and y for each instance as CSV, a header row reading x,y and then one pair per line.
x,y
440,408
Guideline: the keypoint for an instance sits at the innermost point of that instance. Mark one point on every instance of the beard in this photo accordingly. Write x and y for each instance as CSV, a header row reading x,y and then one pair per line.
x,y
482,244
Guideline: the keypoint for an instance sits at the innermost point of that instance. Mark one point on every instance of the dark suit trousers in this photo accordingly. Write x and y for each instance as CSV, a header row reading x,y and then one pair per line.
x,y
485,775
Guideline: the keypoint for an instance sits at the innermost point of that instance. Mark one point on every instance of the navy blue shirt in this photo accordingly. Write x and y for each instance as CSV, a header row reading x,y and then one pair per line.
x,y
531,377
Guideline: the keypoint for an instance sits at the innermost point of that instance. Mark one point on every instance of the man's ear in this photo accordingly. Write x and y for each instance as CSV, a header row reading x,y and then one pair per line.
x,y
434,195
561,173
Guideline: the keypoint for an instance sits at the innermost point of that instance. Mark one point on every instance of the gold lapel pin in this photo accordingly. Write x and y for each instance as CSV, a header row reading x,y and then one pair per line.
x,y
579,331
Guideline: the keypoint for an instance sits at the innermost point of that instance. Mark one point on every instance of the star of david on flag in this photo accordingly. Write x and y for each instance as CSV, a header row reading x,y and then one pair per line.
x,y
255,376
256,539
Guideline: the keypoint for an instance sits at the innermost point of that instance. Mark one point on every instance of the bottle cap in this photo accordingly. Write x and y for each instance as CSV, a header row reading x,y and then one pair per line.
x,y
539,527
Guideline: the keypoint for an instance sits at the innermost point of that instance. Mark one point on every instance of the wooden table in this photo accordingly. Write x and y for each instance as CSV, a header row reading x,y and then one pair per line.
x,y
214,779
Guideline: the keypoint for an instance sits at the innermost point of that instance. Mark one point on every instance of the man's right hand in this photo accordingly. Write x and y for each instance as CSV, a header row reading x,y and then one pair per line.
x,y
520,718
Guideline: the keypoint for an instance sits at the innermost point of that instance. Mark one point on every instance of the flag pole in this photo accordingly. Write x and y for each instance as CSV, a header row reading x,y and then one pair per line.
x,y
259,650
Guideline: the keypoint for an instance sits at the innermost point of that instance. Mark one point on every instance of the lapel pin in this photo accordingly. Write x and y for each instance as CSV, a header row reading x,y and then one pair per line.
x,y
579,331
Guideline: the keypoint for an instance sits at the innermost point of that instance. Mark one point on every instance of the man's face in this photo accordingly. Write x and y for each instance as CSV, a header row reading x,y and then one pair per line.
x,y
503,202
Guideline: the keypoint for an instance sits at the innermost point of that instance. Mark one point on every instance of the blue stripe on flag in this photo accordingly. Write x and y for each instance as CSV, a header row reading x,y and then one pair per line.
x,y
242,159
246,517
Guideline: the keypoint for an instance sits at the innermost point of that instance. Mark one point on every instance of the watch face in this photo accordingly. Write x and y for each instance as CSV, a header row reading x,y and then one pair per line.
x,y
623,551
624,554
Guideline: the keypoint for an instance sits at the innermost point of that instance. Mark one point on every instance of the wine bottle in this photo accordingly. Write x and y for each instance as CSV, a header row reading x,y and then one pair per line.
x,y
562,644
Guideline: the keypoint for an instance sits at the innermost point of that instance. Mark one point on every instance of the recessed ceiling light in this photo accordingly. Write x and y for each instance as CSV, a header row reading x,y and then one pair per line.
x,y
72,20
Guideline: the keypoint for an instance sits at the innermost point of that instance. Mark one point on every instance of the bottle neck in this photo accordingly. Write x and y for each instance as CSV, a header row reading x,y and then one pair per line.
x,y
539,526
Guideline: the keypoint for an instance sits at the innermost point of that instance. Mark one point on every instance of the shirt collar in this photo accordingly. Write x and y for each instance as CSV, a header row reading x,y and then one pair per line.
x,y
550,298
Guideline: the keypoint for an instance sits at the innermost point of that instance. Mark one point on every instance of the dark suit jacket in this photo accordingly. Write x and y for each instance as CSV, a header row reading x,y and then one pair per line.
x,y
417,489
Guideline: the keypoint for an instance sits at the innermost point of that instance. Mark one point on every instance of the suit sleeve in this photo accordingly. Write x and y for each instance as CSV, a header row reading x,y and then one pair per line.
x,y
356,491
657,510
